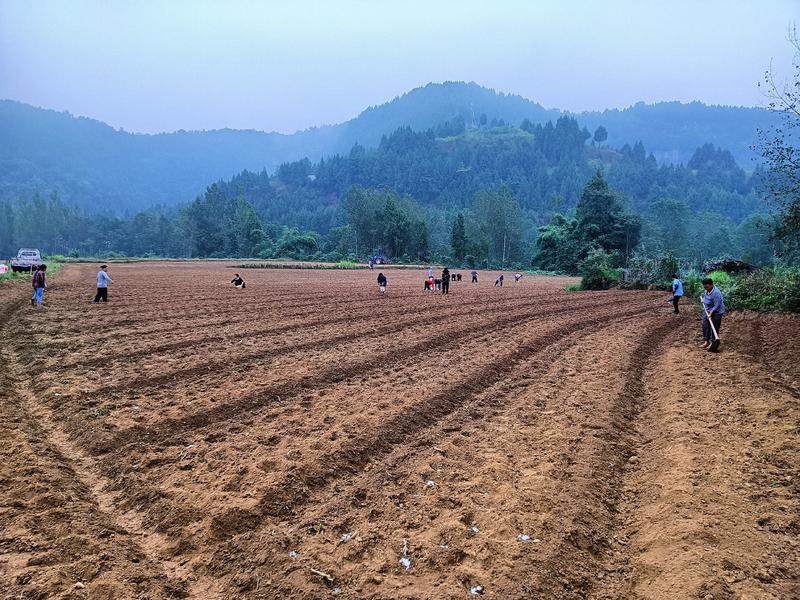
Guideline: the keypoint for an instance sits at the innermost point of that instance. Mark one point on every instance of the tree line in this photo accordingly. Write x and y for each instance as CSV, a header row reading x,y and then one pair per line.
x,y
485,195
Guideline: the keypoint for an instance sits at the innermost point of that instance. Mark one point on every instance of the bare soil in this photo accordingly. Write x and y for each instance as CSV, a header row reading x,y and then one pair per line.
x,y
308,438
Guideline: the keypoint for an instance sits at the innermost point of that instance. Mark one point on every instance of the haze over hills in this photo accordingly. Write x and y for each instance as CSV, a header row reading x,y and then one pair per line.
x,y
98,167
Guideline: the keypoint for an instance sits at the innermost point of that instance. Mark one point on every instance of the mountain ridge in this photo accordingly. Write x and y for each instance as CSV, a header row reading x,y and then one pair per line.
x,y
98,167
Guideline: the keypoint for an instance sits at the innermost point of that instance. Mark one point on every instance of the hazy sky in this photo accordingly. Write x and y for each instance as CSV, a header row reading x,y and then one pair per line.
x,y
287,65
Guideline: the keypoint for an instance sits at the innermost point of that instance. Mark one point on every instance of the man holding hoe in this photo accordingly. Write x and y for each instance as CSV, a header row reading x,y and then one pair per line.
x,y
713,309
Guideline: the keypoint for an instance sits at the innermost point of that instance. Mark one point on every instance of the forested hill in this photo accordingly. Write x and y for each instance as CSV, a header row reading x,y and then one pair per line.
x,y
96,167
545,166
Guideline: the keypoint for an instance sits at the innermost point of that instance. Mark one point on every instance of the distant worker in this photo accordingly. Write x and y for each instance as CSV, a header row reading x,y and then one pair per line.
x,y
102,285
498,281
429,284
39,284
677,292
382,282
33,284
445,280
430,272
713,309
474,276
517,277
238,281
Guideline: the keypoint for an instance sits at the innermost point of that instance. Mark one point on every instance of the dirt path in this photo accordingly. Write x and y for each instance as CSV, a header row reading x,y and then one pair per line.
x,y
299,440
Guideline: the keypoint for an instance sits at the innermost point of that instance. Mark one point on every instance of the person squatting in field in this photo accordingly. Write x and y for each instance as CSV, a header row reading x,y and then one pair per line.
x,y
103,280
713,309
445,280
677,292
39,283
238,282
382,282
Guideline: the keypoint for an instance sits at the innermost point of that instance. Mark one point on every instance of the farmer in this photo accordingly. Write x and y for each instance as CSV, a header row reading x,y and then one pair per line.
x,y
474,276
713,309
429,284
499,281
517,277
102,285
238,281
677,292
39,284
445,280
382,281
33,285
430,272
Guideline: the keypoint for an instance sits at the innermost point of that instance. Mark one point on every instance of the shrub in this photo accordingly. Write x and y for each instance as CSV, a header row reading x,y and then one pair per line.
x,y
598,272
772,289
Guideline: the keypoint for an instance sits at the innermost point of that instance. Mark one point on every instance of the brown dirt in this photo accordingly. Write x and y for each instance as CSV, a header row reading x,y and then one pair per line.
x,y
192,440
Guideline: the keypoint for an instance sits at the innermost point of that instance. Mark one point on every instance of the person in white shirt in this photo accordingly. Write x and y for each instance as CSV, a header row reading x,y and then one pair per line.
x,y
102,285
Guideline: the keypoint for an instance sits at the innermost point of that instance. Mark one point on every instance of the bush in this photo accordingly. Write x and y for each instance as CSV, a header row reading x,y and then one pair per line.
x,y
598,272
772,289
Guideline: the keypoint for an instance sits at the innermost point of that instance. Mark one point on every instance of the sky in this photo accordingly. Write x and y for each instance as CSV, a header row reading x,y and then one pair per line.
x,y
152,66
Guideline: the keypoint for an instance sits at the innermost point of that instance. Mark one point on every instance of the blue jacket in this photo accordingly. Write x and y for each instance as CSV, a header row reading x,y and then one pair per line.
x,y
713,301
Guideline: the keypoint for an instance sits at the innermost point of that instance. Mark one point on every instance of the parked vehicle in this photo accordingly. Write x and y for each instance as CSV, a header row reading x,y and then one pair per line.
x,y
26,260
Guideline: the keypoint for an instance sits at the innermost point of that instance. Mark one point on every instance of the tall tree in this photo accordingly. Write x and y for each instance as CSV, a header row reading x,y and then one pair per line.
x,y
779,149
458,238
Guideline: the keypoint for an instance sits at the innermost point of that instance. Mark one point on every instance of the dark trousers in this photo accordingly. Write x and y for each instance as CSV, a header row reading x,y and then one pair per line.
x,y
446,286
708,334
675,300
102,294
474,279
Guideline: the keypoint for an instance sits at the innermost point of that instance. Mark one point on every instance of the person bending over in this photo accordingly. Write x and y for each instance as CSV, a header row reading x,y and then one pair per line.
x,y
238,282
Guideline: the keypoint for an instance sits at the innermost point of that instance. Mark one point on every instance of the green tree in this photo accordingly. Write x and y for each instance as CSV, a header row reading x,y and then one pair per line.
x,y
600,135
603,221
497,226
458,238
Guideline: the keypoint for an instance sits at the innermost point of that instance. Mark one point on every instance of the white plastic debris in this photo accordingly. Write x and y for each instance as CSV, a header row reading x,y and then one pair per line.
x,y
337,591
405,561
346,537
474,529
523,537
293,554
476,590
430,483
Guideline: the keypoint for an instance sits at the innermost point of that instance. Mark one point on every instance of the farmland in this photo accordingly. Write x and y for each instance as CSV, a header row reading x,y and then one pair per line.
x,y
307,438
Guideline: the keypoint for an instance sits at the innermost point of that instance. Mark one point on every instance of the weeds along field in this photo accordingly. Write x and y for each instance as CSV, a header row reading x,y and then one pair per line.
x,y
308,438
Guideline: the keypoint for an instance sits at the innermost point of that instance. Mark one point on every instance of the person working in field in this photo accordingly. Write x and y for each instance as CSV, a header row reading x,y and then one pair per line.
x,y
499,281
238,281
382,283
677,292
517,277
103,280
474,276
713,309
39,283
445,280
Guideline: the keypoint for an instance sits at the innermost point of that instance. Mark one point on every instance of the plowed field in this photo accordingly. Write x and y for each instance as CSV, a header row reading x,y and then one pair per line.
x,y
306,438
